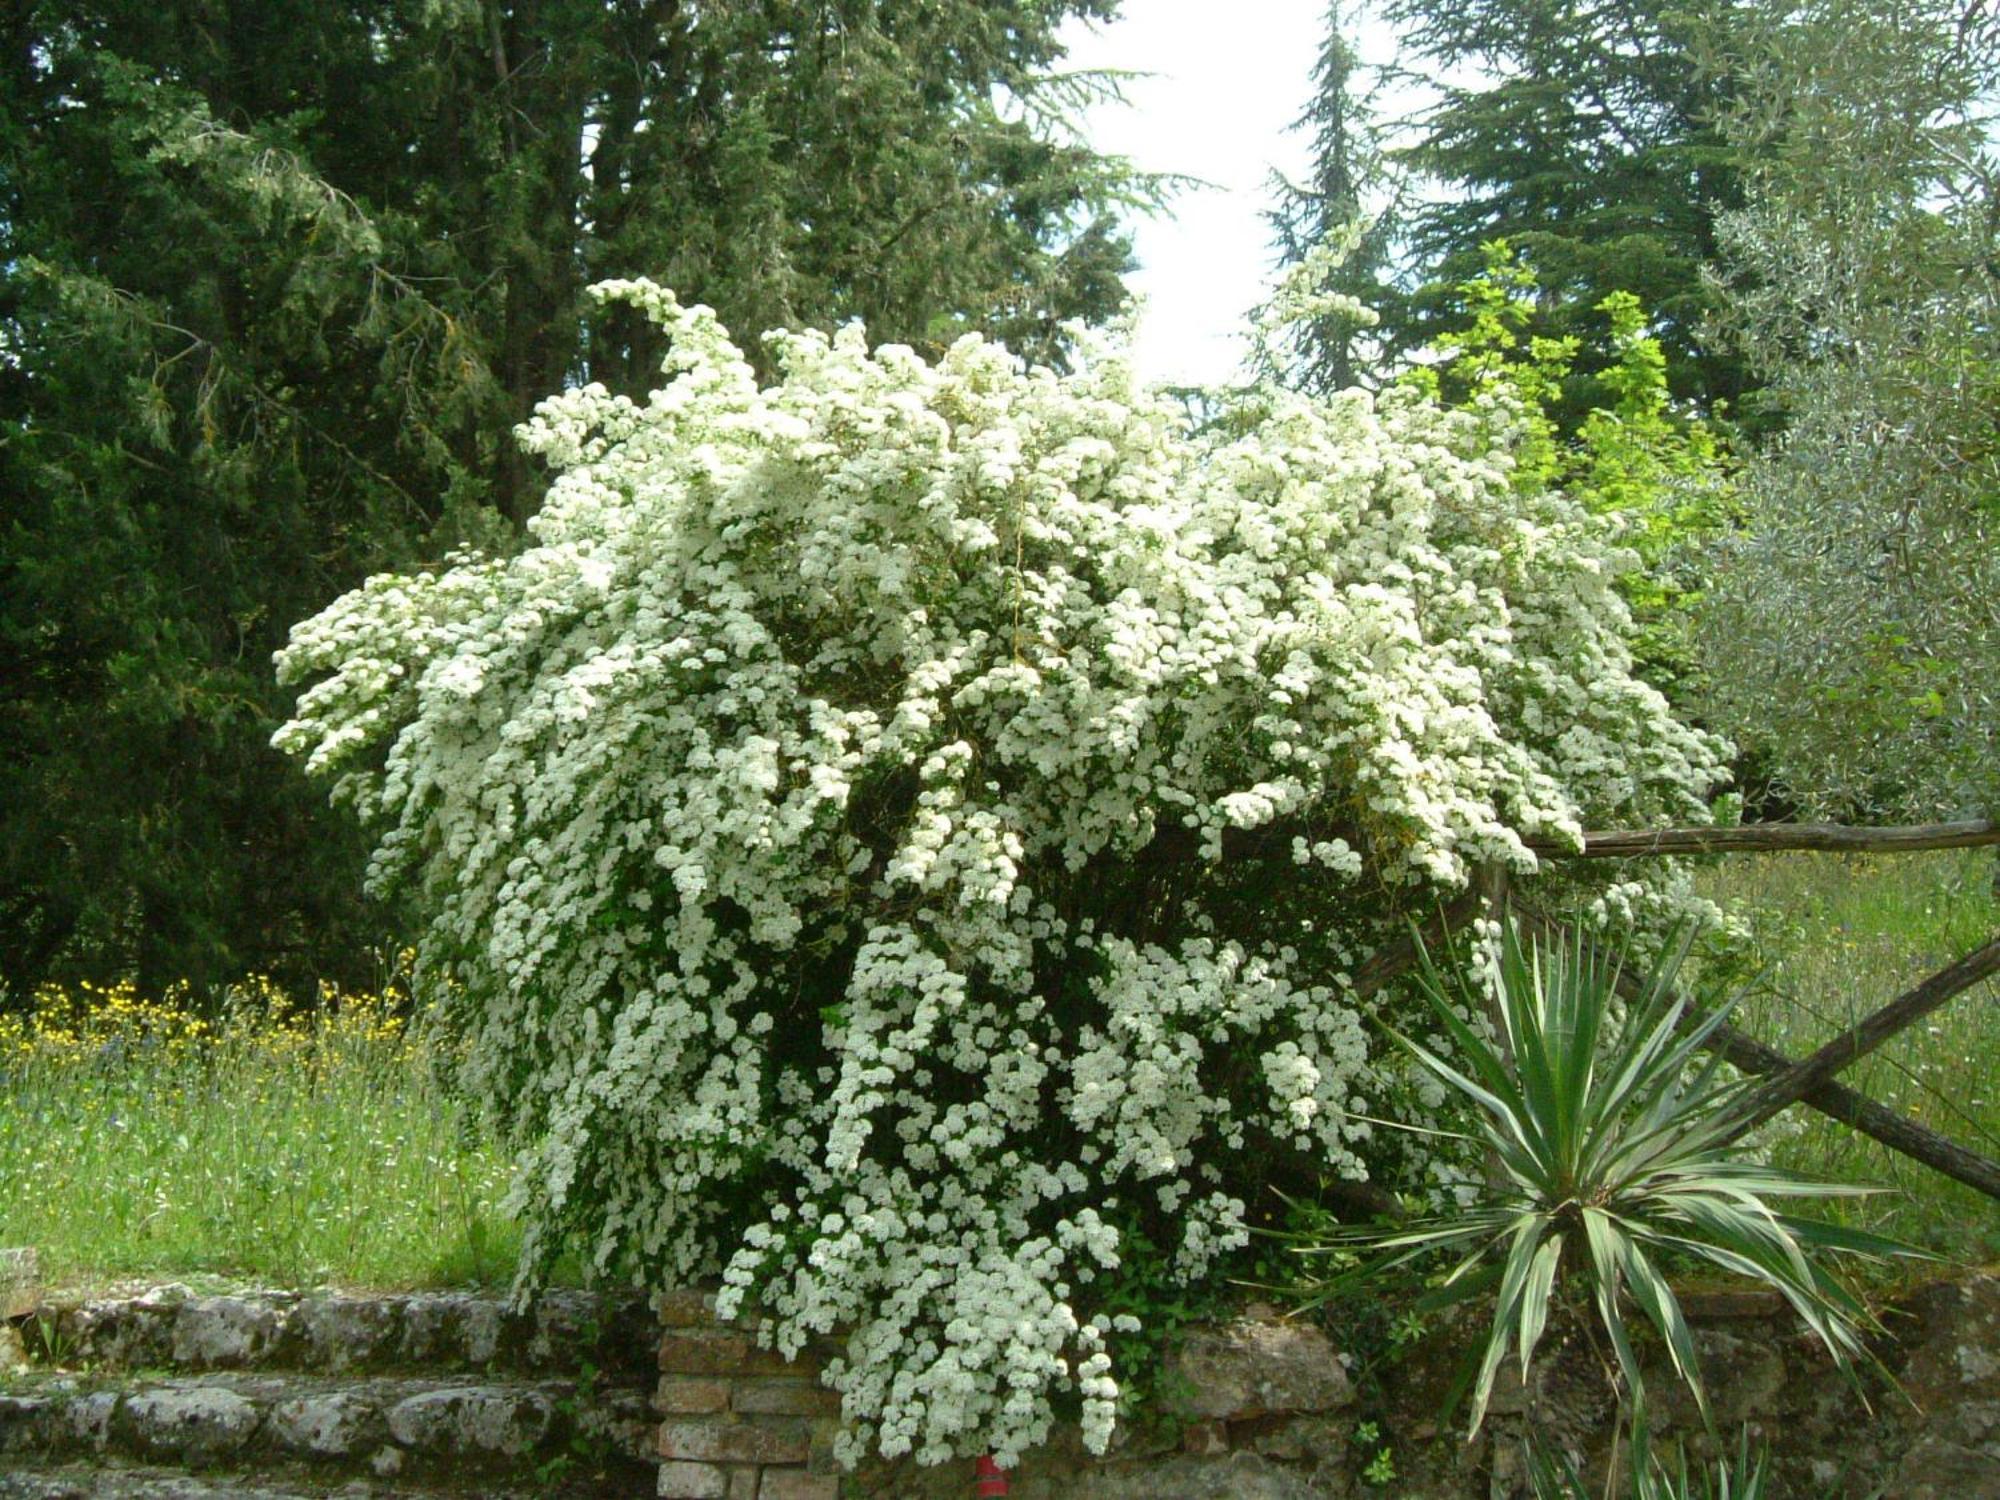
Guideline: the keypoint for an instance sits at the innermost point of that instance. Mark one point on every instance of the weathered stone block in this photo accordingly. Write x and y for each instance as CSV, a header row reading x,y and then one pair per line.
x,y
1743,1375
797,1484
686,1394
1254,1368
223,1333
122,1334
625,1421
87,1418
704,1352
448,1328
193,1424
771,1441
683,1480
1936,1470
569,1325
1293,1439
689,1307
788,1398
347,1333
1958,1357
1234,1476
473,1421
336,1424
20,1282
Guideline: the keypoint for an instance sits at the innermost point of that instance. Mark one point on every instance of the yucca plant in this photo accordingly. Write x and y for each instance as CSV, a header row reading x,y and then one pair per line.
x,y
1555,1476
1609,1142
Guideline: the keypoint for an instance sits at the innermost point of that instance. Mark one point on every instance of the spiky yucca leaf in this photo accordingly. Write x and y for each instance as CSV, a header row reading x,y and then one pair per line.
x,y
1554,1476
1611,1138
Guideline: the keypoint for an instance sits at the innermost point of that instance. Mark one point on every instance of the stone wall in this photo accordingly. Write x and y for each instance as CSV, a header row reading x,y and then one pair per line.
x,y
738,1422
276,1395
281,1396
1269,1409
741,1423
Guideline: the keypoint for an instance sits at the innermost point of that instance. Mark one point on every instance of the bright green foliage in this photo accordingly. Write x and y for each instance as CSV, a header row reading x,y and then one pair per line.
x,y
1665,476
1492,353
1582,138
278,278
1660,472
1612,1161
293,1140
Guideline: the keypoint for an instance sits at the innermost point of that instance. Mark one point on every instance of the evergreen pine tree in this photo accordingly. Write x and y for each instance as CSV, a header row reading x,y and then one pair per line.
x,y
1584,135
277,279
1347,194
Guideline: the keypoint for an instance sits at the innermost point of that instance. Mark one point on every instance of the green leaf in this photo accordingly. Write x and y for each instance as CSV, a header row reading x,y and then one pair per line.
x,y
1620,1129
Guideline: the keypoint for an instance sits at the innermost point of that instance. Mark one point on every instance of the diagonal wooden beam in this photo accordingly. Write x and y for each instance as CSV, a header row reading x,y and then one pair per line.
x,y
1898,1132
1786,1088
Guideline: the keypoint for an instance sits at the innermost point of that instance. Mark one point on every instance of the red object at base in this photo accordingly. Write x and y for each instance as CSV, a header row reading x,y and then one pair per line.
x,y
992,1478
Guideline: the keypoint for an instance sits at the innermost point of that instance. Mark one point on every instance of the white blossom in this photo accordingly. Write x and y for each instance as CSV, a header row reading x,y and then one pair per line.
x,y
777,811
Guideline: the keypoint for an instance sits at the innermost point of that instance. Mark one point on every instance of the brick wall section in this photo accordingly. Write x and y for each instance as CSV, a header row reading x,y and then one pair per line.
x,y
1262,1408
738,1422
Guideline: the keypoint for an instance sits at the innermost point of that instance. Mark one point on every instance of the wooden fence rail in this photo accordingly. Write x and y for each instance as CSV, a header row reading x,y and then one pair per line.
x,y
1786,1081
1857,1042
1772,838
1811,1081
1820,1092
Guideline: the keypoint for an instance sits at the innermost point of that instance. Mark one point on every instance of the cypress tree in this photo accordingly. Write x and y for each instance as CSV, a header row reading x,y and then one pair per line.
x,y
1584,135
1346,194
277,279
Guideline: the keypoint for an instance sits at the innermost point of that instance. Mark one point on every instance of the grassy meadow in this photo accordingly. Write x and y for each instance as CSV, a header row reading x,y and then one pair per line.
x,y
267,1142
1835,937
308,1145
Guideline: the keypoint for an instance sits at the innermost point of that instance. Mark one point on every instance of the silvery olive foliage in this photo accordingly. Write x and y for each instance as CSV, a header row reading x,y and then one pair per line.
x,y
822,823
1852,629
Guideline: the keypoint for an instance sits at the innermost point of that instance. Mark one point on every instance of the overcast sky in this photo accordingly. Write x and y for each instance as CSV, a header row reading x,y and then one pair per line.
x,y
1229,78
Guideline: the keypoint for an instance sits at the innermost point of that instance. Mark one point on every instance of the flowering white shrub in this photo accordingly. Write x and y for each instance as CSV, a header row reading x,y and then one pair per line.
x,y
822,821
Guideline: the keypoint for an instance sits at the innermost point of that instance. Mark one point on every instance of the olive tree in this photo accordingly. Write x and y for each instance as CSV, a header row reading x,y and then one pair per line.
x,y
1853,627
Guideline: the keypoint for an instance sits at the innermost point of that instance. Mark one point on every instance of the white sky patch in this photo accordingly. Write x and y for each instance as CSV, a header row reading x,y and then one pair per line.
x,y
1229,79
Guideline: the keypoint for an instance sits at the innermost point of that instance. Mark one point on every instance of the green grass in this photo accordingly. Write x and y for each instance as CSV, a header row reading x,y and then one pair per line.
x,y
1836,937
266,1145
313,1149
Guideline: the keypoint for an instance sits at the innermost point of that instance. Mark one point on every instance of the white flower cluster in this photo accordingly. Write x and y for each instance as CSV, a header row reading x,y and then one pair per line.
x,y
822,822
